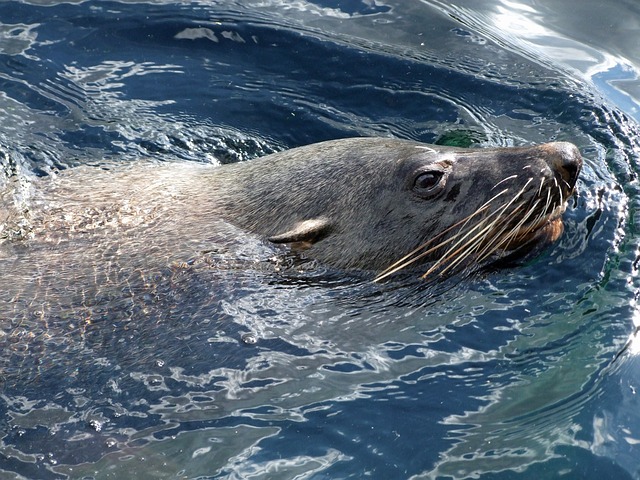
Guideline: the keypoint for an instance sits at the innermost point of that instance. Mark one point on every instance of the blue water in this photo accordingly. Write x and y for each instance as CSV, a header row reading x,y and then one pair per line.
x,y
531,372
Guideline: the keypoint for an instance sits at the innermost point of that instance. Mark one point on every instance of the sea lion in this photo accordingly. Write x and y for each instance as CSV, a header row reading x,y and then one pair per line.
x,y
377,204
97,256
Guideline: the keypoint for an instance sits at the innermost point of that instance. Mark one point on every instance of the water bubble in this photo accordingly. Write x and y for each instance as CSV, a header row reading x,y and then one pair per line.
x,y
96,425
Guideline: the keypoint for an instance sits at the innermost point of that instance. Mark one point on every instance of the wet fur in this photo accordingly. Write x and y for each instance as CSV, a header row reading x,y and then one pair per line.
x,y
347,203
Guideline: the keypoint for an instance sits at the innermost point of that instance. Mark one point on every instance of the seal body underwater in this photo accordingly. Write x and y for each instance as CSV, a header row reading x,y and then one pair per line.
x,y
359,203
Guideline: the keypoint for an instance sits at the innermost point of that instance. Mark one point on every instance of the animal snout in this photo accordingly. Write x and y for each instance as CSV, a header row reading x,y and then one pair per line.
x,y
565,160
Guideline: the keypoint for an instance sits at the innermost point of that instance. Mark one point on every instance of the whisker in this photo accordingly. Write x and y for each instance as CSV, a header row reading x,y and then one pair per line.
x,y
410,258
548,202
406,260
504,180
515,231
495,240
540,187
465,247
561,195
470,246
540,218
466,251
469,232
499,238
555,178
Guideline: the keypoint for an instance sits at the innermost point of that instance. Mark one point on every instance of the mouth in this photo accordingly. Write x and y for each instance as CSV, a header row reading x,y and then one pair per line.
x,y
549,232
544,231
528,246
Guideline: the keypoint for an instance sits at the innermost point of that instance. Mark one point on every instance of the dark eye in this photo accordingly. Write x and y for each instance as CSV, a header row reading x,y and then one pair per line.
x,y
427,181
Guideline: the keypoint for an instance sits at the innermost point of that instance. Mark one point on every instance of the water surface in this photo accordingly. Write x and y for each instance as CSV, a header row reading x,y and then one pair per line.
x,y
530,372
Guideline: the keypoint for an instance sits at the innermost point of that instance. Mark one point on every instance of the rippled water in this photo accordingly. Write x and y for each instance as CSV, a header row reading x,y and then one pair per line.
x,y
530,372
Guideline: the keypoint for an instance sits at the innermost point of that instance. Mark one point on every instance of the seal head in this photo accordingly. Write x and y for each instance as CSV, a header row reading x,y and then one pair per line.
x,y
385,204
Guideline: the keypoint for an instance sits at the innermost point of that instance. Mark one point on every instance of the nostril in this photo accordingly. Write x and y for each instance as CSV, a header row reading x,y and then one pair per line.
x,y
569,172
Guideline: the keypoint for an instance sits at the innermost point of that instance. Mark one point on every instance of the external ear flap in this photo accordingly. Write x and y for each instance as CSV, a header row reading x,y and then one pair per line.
x,y
307,231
